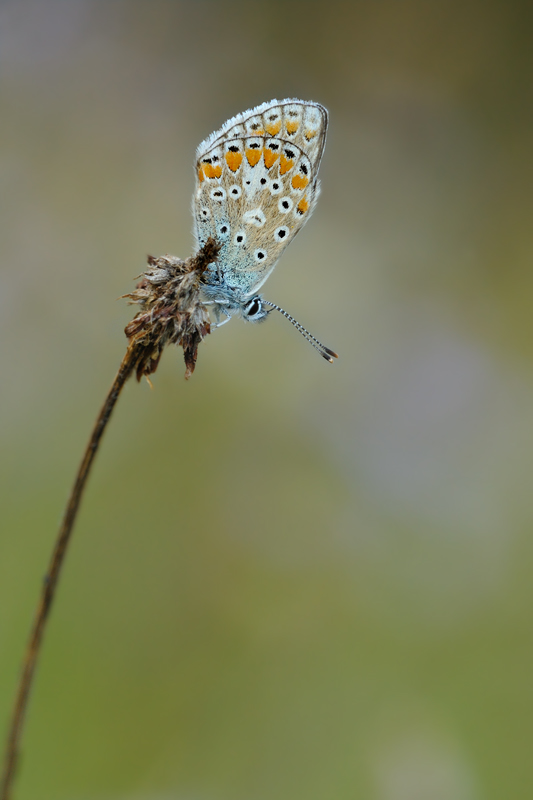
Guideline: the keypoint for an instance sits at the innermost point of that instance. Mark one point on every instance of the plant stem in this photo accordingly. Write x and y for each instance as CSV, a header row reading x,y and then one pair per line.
x,y
52,576
171,312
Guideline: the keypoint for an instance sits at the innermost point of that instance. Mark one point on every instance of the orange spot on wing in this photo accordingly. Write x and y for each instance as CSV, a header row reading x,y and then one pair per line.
x,y
233,160
310,135
302,206
253,156
285,164
274,128
270,157
299,182
211,171
292,127
201,175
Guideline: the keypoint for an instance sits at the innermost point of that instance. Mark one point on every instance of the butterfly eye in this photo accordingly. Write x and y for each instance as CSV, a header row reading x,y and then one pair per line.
x,y
254,307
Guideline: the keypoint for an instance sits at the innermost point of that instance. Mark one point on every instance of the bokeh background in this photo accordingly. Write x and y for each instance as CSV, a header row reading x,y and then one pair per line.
x,y
288,579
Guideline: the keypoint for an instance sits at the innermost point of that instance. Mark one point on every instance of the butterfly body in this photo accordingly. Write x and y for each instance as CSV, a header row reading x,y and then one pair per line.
x,y
256,186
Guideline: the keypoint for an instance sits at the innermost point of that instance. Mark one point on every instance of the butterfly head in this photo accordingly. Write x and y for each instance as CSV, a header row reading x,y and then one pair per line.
x,y
231,302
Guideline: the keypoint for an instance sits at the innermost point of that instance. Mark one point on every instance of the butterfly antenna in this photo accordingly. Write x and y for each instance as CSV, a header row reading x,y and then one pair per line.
x,y
324,351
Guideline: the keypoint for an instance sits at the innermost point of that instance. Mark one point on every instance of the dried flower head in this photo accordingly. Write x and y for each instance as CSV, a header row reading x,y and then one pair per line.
x,y
171,309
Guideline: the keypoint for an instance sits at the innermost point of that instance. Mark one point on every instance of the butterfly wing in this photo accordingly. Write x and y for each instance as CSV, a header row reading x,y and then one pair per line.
x,y
256,186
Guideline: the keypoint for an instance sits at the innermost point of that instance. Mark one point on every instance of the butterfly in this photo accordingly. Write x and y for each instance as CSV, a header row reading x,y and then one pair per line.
x,y
256,187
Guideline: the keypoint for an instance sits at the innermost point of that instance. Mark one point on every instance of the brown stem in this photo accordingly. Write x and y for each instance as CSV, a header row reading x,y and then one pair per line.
x,y
54,569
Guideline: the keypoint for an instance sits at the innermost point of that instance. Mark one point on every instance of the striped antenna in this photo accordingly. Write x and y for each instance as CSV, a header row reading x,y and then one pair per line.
x,y
324,351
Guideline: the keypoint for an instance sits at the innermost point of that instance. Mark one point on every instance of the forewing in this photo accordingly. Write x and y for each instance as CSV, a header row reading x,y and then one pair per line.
x,y
257,186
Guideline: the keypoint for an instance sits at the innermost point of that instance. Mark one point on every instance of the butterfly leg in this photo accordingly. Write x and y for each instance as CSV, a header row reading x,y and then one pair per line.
x,y
220,324
218,309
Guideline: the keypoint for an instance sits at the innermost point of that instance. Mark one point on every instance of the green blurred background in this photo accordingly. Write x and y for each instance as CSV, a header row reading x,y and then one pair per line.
x,y
288,579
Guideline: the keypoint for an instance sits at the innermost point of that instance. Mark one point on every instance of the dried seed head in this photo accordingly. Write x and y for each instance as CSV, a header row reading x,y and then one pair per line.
x,y
171,310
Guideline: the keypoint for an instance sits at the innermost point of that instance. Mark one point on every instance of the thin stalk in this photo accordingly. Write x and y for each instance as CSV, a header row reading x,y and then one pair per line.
x,y
171,312
52,576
